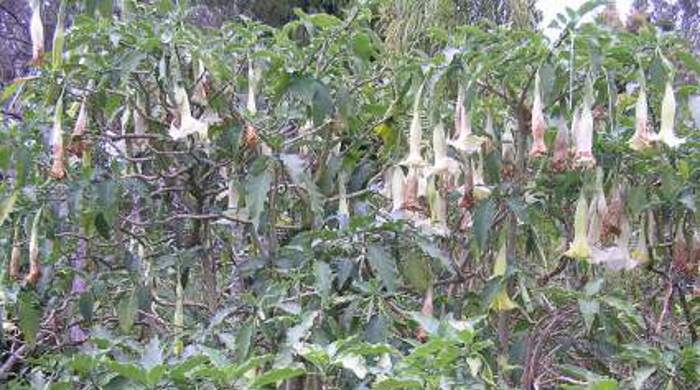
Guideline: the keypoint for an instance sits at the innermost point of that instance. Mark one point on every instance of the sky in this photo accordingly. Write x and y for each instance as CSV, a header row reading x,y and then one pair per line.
x,y
550,8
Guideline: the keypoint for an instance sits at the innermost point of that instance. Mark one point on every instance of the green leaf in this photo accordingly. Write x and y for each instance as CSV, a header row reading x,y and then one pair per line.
x,y
6,206
324,21
324,279
483,218
29,313
296,168
398,383
86,303
588,308
129,371
256,189
415,270
152,354
354,363
102,226
384,265
277,375
127,309
244,338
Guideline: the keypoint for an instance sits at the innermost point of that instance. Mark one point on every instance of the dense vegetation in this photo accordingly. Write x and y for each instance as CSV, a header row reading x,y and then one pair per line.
x,y
367,200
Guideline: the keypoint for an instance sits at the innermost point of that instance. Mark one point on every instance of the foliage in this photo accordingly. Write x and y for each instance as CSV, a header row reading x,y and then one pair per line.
x,y
240,234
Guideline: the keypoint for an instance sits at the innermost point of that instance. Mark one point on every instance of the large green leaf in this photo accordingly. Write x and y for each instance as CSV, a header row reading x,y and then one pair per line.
x,y
256,189
277,375
30,313
385,266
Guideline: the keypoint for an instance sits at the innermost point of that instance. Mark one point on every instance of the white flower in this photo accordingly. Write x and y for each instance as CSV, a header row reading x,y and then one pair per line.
x,y
188,124
579,248
465,141
415,159
36,28
443,164
583,138
643,136
667,134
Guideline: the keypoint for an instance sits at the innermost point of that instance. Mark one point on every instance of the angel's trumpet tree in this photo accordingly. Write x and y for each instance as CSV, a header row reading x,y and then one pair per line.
x,y
188,124
465,140
643,137
560,156
579,248
667,133
538,125
58,169
34,273
36,29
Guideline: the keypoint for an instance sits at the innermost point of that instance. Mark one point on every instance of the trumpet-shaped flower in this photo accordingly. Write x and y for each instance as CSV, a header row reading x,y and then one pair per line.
x,y
560,156
81,122
612,218
583,138
188,124
481,190
253,78
443,165
397,183
579,248
438,208
667,134
643,137
199,92
641,253
538,125
410,199
465,140
415,135
58,170
36,29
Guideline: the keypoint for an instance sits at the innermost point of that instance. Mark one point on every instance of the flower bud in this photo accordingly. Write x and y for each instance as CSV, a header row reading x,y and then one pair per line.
x,y
415,135
58,170
643,137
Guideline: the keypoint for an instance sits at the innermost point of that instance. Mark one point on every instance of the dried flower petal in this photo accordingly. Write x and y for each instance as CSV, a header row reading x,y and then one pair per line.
x,y
538,125
16,255
410,199
681,254
667,134
612,218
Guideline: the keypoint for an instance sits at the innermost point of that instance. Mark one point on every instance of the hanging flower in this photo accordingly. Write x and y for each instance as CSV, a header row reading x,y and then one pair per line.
x,y
36,28
579,248
140,125
34,265
253,78
641,252
481,190
201,86
508,152
410,199
188,124
560,159
597,208
59,35
583,138
616,257
397,183
490,141
58,170
465,141
414,158
427,311
15,255
667,134
612,218
643,137
443,165
539,126
438,208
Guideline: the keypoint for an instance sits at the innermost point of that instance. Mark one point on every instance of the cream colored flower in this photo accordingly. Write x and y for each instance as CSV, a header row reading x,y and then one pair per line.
x,y
58,170
667,134
36,29
465,141
443,164
583,138
481,190
579,248
188,124
560,156
643,137
438,208
397,182
415,135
